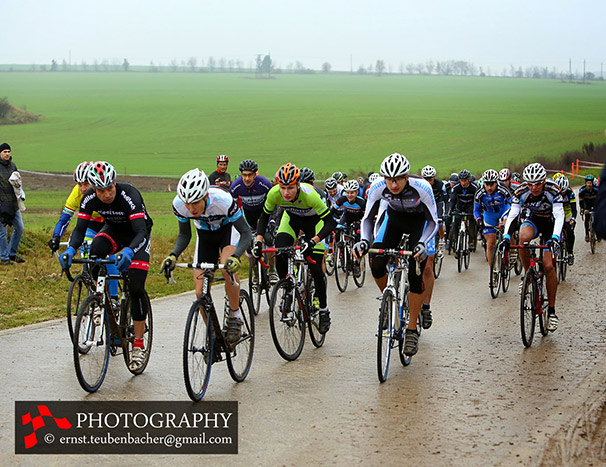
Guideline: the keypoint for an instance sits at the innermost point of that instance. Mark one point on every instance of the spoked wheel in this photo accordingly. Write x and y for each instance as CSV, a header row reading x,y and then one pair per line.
x,y
313,321
341,266
563,262
359,272
467,250
505,271
541,299
239,358
79,289
198,347
330,258
517,267
286,320
255,283
91,344
406,359
460,251
437,263
528,308
385,333
495,273
126,323
592,238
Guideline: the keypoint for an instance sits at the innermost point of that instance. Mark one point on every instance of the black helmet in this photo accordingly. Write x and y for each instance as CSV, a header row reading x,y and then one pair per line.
x,y
307,175
248,165
338,176
464,174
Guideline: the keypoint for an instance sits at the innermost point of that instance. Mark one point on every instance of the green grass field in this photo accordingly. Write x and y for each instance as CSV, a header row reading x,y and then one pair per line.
x,y
165,124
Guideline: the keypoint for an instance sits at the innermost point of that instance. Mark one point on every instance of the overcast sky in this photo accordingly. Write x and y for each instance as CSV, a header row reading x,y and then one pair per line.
x,y
488,33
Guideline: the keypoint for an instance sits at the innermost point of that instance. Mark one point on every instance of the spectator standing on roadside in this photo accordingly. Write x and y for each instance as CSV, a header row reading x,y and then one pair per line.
x,y
9,210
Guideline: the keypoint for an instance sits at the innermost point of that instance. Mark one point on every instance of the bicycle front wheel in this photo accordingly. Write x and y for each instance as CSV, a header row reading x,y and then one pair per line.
x,y
341,266
286,320
505,271
313,314
495,274
126,324
385,333
467,250
198,343
239,358
91,344
329,258
79,289
254,283
528,308
460,251
437,264
359,273
592,237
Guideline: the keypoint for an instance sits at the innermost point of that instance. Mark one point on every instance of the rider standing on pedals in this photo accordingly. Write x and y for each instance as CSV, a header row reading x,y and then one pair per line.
x,y
569,201
220,229
399,204
304,211
539,202
491,206
127,227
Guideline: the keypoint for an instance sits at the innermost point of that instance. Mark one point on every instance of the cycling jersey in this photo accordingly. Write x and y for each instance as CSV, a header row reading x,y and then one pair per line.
x,y
219,178
545,209
415,201
221,209
354,210
252,197
569,202
331,200
496,203
461,199
587,197
71,204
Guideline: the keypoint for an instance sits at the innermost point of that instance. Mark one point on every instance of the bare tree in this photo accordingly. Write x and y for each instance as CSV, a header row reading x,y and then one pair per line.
x,y
192,63
174,65
420,68
410,68
430,66
125,65
326,67
222,63
380,67
84,65
211,64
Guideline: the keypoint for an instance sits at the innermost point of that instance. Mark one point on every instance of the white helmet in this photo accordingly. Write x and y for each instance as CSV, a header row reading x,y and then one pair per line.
x,y
373,177
395,165
330,183
504,175
534,173
101,175
351,185
490,176
563,182
193,186
428,172
81,172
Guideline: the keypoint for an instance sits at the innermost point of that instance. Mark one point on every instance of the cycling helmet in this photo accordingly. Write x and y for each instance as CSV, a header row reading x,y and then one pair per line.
x,y
589,178
534,173
361,180
373,177
395,165
81,172
504,175
454,177
556,176
101,174
330,183
338,176
307,175
351,185
428,172
563,182
222,158
288,174
515,177
464,174
248,165
193,186
490,176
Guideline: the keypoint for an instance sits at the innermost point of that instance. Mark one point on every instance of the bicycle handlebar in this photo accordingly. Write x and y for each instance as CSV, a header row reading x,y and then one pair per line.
x,y
396,252
212,266
286,250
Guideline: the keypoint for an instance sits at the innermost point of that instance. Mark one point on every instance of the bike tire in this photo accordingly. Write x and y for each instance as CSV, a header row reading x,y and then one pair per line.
x,y
91,365
563,266
437,265
385,332
313,315
126,324
543,317
239,357
592,238
528,308
254,284
198,351
494,281
341,266
79,289
505,272
467,251
361,276
329,259
286,324
406,359
460,251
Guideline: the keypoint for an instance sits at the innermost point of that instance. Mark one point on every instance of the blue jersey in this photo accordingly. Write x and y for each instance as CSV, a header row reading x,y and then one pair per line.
x,y
497,203
253,197
221,209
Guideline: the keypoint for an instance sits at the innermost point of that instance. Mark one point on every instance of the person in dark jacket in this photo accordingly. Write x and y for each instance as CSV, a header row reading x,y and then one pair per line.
x,y
9,210
600,208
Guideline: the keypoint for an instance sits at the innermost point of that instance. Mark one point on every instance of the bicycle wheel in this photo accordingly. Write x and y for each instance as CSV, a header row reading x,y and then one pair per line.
x,y
518,266
254,283
437,264
329,259
460,251
341,266
198,346
540,298
313,315
592,237
563,262
467,250
91,364
286,320
126,324
406,359
385,333
79,289
528,308
359,273
239,358
505,271
494,281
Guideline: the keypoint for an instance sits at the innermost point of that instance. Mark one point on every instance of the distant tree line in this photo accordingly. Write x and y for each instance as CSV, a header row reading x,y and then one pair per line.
x,y
264,66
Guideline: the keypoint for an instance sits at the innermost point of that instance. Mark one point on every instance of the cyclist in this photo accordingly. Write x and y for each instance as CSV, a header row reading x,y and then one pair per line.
x,y
127,228
353,204
539,202
221,232
439,193
373,177
452,181
304,211
94,226
221,177
569,202
340,177
251,189
505,177
461,202
491,206
516,181
399,204
308,176
587,196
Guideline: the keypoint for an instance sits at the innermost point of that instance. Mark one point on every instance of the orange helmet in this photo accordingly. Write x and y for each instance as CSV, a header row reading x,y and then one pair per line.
x,y
288,174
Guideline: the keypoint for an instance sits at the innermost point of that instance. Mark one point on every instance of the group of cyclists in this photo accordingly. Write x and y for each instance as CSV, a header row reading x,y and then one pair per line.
x,y
232,219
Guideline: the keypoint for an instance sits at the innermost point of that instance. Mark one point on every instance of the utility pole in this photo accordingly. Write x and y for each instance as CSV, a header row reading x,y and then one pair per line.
x,y
351,63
